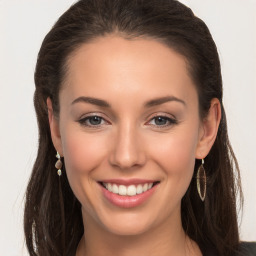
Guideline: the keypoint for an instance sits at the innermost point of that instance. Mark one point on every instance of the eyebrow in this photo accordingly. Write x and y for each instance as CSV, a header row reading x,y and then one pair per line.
x,y
150,103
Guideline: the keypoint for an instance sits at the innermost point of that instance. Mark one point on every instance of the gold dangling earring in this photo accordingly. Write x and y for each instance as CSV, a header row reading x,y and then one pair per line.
x,y
58,164
201,181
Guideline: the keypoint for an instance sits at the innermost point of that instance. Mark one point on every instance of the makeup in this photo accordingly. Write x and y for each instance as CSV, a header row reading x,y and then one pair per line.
x,y
128,193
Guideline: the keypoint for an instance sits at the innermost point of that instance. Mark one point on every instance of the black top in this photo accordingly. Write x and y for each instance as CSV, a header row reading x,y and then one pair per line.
x,y
248,248
245,249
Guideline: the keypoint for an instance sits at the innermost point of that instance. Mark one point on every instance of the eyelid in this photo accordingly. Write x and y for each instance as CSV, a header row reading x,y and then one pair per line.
x,y
162,114
89,114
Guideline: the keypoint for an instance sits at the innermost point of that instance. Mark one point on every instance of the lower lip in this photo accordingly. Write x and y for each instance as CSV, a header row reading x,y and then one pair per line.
x,y
128,201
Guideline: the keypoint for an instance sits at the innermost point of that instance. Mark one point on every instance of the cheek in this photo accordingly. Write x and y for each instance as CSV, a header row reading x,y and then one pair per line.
x,y
175,154
82,150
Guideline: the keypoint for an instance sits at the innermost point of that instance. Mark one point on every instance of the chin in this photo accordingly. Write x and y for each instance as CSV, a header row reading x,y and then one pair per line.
x,y
127,230
128,224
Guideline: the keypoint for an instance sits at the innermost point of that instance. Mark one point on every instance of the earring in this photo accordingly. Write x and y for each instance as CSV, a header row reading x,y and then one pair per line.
x,y
58,164
201,181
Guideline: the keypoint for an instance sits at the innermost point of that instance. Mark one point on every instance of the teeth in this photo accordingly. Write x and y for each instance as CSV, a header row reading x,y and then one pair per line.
x,y
130,190
122,190
109,187
115,189
139,189
145,187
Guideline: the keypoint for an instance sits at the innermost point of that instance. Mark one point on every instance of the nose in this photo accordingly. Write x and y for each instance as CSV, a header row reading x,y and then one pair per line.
x,y
127,151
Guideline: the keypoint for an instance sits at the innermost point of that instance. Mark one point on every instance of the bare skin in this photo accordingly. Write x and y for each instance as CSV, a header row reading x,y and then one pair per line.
x,y
130,143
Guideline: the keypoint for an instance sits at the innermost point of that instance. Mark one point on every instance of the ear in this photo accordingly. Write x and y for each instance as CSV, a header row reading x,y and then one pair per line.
x,y
209,129
54,127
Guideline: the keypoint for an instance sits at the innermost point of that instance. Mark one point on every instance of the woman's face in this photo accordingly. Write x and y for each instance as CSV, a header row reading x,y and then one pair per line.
x,y
129,118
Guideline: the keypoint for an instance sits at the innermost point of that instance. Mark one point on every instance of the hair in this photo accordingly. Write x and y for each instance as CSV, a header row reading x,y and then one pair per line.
x,y
52,219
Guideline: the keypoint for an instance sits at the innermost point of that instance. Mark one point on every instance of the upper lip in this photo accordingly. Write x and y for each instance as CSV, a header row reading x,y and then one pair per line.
x,y
128,181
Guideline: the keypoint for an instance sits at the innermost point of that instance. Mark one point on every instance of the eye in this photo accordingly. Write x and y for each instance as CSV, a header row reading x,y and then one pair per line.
x,y
163,121
91,121
95,121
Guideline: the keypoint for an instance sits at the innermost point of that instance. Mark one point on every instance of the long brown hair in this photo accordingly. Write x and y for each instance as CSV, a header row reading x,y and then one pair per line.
x,y
52,219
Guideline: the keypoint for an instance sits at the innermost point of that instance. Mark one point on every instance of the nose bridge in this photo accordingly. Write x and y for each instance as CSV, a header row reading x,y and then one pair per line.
x,y
127,151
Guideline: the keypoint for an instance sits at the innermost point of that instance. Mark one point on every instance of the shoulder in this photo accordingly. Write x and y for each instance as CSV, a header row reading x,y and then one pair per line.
x,y
248,248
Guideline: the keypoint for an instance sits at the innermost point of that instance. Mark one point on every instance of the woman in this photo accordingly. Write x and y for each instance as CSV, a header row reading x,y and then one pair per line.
x,y
129,99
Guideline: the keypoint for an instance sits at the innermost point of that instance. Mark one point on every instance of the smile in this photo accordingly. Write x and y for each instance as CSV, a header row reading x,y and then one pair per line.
x,y
130,190
128,194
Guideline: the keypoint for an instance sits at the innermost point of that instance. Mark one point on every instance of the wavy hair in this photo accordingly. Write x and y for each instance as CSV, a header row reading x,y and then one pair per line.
x,y
52,218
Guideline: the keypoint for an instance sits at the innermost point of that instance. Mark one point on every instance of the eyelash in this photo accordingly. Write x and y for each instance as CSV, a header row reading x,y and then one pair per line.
x,y
171,121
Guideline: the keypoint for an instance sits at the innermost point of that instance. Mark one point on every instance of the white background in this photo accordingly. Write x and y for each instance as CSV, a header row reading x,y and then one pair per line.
x,y
23,25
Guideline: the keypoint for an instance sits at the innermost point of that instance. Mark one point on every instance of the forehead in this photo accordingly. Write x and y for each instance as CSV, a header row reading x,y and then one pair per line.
x,y
112,65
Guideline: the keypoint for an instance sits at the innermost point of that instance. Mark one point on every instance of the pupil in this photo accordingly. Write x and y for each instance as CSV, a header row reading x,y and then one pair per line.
x,y
159,119
95,120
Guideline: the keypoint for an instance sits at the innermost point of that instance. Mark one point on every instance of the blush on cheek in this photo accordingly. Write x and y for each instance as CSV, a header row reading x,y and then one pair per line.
x,y
176,158
82,153
185,164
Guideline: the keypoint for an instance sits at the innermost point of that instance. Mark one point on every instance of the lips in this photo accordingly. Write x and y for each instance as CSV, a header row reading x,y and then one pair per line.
x,y
128,193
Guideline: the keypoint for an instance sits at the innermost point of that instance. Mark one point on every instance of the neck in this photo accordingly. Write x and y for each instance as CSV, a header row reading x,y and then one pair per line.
x,y
164,240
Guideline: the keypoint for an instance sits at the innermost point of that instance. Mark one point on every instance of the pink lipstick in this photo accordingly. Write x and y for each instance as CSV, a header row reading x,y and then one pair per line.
x,y
128,193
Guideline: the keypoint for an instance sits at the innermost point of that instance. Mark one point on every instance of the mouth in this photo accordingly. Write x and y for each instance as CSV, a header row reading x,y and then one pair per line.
x,y
128,193
128,188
